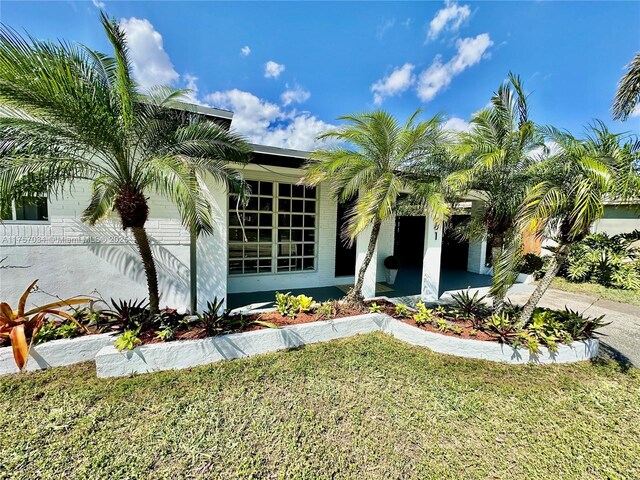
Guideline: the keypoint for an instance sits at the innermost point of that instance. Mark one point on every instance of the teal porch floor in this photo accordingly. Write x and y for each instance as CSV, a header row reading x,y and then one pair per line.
x,y
407,283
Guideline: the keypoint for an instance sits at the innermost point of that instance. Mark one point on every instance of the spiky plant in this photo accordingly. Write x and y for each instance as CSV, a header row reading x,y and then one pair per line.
x,y
576,182
494,159
377,159
68,113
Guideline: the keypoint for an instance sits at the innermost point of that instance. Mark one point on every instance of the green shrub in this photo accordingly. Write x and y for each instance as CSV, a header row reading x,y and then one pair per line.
x,y
326,310
531,263
56,331
423,314
129,340
611,261
470,307
305,304
503,326
286,304
375,308
402,310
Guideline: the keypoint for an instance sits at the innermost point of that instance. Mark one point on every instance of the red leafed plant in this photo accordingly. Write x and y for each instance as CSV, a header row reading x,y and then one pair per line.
x,y
21,327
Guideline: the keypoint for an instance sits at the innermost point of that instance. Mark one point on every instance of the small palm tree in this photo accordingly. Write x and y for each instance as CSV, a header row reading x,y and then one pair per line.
x,y
387,159
628,94
575,183
494,160
69,113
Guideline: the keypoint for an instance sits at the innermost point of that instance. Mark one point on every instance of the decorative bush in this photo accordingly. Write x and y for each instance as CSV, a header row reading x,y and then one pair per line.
x,y
531,263
392,263
611,261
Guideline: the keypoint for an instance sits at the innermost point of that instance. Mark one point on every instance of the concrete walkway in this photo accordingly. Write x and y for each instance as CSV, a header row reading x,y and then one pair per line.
x,y
620,340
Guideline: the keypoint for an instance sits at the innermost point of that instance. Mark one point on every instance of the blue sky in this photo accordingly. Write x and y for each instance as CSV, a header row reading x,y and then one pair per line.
x,y
306,63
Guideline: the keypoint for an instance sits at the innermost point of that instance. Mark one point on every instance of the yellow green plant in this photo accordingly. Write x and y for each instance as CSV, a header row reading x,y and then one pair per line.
x,y
21,327
305,304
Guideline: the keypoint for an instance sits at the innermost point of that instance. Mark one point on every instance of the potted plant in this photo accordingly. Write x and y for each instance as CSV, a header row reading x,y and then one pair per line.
x,y
392,264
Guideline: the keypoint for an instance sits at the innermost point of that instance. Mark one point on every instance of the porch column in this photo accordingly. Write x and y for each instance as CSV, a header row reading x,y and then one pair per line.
x,y
477,256
477,249
431,261
369,284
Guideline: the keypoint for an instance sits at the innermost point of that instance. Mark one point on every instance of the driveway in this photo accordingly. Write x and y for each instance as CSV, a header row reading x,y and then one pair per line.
x,y
619,340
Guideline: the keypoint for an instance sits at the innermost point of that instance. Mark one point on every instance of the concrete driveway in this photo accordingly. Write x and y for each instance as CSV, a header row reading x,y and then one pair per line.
x,y
619,340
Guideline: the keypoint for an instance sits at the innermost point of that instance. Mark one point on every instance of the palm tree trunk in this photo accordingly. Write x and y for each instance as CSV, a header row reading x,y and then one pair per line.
x,y
554,267
498,299
356,291
142,241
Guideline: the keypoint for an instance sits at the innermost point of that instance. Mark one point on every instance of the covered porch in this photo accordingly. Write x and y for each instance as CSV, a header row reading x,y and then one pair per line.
x,y
408,284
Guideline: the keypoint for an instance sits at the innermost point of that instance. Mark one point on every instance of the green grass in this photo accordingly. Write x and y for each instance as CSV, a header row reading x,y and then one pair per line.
x,y
595,290
365,407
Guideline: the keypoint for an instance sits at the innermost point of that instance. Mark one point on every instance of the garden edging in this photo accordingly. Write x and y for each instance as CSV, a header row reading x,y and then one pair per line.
x,y
190,353
57,353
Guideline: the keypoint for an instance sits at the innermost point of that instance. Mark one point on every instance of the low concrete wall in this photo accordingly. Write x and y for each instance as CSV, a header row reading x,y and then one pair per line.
x,y
494,351
185,354
57,353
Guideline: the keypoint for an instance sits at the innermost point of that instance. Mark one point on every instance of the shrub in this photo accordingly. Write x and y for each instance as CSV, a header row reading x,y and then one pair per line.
x,y
212,318
402,310
375,308
611,261
52,330
286,304
305,304
503,326
129,340
531,263
423,314
392,263
578,325
326,310
470,307
21,326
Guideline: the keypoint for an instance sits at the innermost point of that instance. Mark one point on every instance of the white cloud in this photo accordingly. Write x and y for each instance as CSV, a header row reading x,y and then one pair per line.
x,y
151,64
273,69
267,123
439,75
396,82
635,112
245,51
294,95
449,18
98,4
385,27
456,124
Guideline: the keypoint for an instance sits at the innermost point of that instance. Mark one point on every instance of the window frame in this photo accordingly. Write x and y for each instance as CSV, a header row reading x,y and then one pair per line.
x,y
275,212
15,221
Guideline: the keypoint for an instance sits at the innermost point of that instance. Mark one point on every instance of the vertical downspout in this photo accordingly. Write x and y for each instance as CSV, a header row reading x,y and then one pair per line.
x,y
193,271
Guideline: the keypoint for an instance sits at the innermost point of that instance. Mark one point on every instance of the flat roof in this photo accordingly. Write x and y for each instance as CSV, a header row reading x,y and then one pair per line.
x,y
281,152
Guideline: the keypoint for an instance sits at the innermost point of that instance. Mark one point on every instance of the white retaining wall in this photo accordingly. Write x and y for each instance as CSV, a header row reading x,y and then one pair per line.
x,y
185,354
57,353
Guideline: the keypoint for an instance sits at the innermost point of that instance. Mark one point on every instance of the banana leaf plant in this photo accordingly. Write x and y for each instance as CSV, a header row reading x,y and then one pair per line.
x,y
21,327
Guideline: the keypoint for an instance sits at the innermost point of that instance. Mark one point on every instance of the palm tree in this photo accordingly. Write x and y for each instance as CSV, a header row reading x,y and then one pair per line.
x,y
383,159
628,94
71,114
494,160
575,182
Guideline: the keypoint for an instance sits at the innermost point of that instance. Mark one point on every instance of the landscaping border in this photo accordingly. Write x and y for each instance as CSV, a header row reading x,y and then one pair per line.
x,y
190,353
57,353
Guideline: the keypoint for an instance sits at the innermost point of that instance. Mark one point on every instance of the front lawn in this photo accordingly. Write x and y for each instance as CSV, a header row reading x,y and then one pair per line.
x,y
598,291
365,407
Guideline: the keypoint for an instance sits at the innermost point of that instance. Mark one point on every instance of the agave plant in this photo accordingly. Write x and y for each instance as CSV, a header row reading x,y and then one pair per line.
x,y
21,327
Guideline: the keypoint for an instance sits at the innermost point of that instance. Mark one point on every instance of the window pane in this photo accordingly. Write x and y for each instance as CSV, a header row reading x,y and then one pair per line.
x,y
310,206
235,235
266,188
250,250
251,219
250,266
296,235
235,266
309,263
284,190
297,206
309,249
284,235
310,192
309,235
252,235
235,250
283,265
252,204
31,208
265,250
265,235
296,220
284,205
266,204
253,186
296,264
284,220
297,191
266,219
309,221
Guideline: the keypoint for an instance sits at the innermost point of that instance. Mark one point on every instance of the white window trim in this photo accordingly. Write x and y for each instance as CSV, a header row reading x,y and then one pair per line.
x,y
13,220
274,240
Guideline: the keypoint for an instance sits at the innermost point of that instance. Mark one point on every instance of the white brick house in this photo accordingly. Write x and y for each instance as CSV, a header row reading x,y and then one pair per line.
x,y
286,240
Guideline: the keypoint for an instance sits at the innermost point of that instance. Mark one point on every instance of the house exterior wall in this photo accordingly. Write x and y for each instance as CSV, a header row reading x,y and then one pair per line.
x,y
72,258
618,219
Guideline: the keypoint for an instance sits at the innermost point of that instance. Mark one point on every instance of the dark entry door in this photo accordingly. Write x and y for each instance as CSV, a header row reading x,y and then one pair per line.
x,y
455,250
345,256
409,240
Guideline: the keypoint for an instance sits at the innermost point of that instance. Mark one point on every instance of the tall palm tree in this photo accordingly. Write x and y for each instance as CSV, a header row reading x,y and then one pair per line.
x,y
69,114
628,94
494,159
575,182
382,159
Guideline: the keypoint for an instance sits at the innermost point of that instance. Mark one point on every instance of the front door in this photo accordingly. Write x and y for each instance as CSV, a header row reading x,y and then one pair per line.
x,y
345,255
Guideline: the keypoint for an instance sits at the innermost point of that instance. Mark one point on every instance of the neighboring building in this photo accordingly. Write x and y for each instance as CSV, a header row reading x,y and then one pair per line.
x,y
618,218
